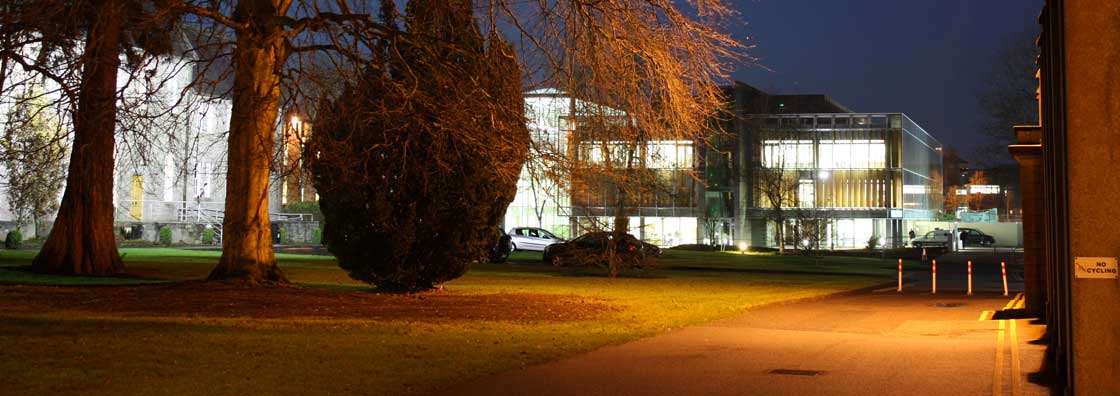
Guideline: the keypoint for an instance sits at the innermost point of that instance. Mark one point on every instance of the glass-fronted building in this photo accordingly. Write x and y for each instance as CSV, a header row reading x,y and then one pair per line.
x,y
663,211
854,176
850,176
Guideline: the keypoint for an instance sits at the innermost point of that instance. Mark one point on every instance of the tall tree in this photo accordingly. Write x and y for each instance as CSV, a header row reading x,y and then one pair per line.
x,y
258,58
82,239
638,72
1007,96
266,38
655,60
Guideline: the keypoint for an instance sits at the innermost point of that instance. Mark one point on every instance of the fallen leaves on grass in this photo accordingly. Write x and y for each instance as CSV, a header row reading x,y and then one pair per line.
x,y
216,299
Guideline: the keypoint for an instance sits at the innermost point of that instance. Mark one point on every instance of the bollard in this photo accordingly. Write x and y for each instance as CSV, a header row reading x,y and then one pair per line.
x,y
899,275
1003,269
970,277
924,257
934,291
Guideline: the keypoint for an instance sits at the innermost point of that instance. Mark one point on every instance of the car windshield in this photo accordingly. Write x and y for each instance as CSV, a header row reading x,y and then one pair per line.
x,y
546,234
590,240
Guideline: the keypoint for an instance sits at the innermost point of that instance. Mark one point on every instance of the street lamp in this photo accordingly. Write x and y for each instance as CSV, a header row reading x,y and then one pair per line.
x,y
743,247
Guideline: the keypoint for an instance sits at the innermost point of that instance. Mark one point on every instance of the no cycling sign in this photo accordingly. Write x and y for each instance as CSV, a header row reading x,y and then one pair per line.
x,y
1095,267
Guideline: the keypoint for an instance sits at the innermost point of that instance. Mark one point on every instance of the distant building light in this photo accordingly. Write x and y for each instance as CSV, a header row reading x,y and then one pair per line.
x,y
823,175
983,189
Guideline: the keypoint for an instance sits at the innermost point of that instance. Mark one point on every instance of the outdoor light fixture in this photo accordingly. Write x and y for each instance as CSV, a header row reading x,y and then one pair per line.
x,y
823,175
295,119
805,243
743,247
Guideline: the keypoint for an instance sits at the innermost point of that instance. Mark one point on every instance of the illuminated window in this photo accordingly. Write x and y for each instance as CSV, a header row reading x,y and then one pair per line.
x,y
805,194
853,154
787,154
669,154
983,189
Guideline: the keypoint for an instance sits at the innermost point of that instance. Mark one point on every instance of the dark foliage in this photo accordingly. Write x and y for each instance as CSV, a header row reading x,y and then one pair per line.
x,y
416,163
14,240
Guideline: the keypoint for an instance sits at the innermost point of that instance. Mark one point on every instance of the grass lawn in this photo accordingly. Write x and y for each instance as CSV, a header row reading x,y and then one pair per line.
x,y
61,351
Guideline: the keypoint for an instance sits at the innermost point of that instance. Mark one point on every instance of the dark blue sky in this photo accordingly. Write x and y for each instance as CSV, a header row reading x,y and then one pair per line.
x,y
925,58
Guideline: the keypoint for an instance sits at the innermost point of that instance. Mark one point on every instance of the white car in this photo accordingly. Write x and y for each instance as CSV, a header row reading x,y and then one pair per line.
x,y
939,238
535,239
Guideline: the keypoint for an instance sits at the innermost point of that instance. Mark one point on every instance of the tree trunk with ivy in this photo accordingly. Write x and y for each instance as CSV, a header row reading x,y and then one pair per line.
x,y
82,240
247,254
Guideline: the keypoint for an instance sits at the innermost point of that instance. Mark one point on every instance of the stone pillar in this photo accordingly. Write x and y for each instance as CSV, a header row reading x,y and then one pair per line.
x,y
1028,151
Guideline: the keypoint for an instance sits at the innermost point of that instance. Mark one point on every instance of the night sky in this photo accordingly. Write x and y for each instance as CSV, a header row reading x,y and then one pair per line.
x,y
925,58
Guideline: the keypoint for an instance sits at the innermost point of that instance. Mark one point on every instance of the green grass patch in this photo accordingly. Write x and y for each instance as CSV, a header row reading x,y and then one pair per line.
x,y
61,352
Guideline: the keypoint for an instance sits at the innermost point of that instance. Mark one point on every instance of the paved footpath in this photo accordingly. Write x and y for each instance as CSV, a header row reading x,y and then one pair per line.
x,y
876,342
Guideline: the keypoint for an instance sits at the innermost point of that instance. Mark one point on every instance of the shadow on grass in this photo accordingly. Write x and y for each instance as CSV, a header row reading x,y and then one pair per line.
x,y
604,274
337,287
24,275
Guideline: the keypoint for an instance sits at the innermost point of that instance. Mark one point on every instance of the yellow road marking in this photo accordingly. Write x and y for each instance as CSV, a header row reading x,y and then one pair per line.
x,y
997,375
985,315
1015,391
1014,301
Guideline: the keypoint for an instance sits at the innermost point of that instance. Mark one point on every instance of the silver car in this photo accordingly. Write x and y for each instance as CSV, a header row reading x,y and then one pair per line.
x,y
938,237
529,238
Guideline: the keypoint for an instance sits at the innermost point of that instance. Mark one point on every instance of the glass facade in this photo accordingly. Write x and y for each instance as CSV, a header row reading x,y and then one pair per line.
x,y
852,176
922,172
864,174
662,202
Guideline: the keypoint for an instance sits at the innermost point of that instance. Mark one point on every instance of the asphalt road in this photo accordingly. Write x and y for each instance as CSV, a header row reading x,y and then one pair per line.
x,y
874,342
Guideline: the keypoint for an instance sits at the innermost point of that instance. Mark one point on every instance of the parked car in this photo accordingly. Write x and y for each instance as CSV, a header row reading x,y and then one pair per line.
x,y
501,249
533,239
940,238
591,249
974,237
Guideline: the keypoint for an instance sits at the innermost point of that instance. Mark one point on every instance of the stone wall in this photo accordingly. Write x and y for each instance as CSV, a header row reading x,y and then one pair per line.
x,y
296,232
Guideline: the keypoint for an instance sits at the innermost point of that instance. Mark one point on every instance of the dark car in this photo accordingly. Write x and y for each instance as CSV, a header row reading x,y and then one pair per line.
x,y
974,237
591,249
501,249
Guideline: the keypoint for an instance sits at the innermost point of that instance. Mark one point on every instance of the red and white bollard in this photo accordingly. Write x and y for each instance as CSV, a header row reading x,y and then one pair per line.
x,y
970,277
934,291
1003,268
900,275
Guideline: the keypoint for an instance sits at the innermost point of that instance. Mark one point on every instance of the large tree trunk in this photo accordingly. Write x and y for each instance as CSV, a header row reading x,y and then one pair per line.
x,y
247,254
82,240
